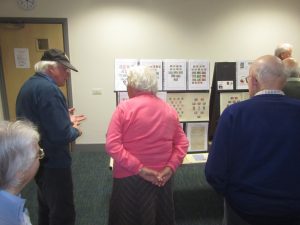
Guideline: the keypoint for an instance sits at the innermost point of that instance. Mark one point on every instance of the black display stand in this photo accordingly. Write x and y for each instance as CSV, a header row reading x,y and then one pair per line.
x,y
223,71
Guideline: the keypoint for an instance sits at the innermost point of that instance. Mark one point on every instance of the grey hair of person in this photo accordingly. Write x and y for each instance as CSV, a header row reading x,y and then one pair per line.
x,y
291,67
18,141
142,78
282,48
295,72
268,68
42,66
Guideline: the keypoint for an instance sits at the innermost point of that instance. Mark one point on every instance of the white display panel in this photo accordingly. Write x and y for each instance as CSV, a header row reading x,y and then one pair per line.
x,y
242,71
155,64
121,68
174,74
198,75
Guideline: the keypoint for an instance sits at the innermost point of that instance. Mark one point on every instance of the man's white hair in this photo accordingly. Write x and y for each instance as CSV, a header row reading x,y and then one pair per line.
x,y
42,66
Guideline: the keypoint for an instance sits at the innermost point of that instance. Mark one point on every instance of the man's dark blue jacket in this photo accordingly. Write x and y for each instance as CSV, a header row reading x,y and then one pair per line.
x,y
42,102
254,161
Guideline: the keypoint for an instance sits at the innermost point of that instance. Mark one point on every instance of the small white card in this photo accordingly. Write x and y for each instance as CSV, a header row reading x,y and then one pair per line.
x,y
225,85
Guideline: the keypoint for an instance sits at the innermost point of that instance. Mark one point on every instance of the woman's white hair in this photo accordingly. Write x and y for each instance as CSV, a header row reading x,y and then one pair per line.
x,y
142,78
18,141
42,66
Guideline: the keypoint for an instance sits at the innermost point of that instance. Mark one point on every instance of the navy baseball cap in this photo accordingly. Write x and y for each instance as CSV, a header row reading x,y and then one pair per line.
x,y
58,56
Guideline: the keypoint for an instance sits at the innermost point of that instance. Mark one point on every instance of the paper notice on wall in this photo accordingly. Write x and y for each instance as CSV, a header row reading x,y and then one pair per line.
x,y
22,58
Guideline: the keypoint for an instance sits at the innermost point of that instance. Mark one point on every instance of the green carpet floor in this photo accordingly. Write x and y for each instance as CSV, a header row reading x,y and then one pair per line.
x,y
195,202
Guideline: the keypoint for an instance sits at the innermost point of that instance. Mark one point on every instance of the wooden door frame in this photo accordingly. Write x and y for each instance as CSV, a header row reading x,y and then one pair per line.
x,y
21,20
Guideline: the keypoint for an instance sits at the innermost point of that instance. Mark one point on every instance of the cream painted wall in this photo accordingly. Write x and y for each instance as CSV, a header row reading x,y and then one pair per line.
x,y
100,31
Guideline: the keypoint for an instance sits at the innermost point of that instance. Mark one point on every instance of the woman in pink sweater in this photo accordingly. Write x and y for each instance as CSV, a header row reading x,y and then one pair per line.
x,y
147,143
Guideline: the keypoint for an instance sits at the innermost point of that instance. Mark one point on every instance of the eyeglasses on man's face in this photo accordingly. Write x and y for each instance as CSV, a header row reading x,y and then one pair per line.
x,y
247,79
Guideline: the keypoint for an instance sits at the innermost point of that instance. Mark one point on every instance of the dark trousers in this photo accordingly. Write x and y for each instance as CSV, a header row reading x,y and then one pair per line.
x,y
231,217
55,196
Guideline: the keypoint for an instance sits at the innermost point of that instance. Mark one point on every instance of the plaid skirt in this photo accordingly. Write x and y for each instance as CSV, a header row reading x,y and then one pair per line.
x,y
135,201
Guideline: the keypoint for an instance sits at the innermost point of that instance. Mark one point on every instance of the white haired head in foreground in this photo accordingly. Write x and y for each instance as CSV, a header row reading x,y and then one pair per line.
x,y
141,79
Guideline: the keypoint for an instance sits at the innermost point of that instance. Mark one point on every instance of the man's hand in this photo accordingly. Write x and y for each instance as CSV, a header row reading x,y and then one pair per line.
x,y
76,119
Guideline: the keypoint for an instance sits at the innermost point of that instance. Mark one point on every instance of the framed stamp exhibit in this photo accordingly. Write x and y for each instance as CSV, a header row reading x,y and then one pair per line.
x,y
197,136
229,98
174,74
198,75
190,106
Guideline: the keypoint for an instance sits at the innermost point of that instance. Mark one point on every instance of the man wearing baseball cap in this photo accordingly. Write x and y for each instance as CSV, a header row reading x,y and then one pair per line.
x,y
41,101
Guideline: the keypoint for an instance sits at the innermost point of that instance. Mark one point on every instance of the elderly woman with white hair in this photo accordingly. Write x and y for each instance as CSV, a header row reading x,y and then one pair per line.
x,y
19,162
283,51
147,143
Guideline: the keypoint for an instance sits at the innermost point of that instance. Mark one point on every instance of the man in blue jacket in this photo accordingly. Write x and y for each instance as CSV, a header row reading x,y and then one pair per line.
x,y
255,154
41,101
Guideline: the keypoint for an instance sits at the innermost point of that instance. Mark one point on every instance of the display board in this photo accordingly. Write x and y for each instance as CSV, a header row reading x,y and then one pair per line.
x,y
184,84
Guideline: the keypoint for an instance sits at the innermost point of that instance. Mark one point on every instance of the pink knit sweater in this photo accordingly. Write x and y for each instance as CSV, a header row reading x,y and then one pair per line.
x,y
145,131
